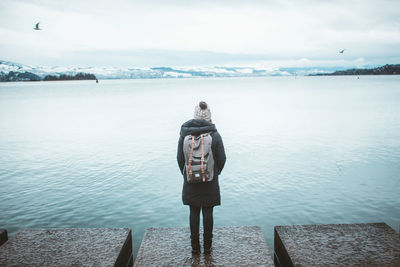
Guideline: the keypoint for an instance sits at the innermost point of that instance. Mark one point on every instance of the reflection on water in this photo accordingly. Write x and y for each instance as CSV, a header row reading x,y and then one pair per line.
x,y
299,151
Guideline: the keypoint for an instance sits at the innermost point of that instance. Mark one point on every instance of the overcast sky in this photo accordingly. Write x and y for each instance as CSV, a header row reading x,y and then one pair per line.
x,y
127,33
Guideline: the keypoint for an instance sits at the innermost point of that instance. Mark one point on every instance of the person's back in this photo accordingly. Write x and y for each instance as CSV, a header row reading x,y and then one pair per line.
x,y
203,195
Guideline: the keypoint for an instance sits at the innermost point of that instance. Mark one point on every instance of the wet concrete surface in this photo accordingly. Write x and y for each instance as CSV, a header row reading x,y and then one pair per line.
x,y
3,236
68,247
370,244
232,246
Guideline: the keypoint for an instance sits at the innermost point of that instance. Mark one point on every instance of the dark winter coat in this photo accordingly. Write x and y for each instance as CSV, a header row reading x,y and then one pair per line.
x,y
202,194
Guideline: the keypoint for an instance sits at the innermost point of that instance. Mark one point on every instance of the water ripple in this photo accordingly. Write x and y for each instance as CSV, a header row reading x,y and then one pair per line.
x,y
108,158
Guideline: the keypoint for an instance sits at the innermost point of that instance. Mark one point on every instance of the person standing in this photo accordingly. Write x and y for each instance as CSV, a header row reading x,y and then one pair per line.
x,y
202,194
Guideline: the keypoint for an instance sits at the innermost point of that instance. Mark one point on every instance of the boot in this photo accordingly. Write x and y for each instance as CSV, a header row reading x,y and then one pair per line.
x,y
195,245
207,244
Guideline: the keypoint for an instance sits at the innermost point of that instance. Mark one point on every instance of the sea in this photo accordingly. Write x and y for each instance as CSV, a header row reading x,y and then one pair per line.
x,y
300,150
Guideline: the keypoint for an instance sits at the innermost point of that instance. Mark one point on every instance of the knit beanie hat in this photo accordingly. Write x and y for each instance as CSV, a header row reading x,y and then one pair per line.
x,y
202,111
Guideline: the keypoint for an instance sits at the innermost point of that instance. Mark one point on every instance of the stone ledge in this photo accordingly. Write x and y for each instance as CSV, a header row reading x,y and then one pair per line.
x,y
3,236
68,247
232,246
369,244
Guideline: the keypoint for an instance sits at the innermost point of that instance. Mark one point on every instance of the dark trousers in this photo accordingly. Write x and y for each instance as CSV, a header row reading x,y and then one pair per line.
x,y
208,222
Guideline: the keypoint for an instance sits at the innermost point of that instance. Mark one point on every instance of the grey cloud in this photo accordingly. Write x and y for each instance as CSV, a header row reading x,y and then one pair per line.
x,y
367,29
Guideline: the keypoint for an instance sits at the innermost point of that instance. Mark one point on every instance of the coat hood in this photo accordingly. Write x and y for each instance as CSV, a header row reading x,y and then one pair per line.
x,y
196,127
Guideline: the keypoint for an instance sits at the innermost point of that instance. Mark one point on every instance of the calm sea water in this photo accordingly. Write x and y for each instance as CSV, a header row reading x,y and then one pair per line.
x,y
299,151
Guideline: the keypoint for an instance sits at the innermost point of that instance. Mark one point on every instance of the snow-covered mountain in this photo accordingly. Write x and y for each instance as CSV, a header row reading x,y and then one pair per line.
x,y
157,72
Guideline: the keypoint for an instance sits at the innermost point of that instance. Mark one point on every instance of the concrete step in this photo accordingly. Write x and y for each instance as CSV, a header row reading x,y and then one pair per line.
x,y
232,246
69,247
368,244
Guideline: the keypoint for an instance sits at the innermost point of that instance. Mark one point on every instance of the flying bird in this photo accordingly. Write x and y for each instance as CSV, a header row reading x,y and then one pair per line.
x,y
37,27
341,51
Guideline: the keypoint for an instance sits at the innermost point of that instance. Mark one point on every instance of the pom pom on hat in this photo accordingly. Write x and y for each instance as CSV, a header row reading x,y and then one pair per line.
x,y
202,111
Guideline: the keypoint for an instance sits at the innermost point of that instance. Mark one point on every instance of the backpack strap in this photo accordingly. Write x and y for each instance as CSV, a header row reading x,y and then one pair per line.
x,y
203,175
190,160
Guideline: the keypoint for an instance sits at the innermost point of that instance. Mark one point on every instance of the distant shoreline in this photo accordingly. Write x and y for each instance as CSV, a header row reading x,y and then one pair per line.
x,y
31,77
13,72
383,70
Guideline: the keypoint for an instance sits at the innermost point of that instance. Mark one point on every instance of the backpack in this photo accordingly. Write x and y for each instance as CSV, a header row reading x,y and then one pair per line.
x,y
199,160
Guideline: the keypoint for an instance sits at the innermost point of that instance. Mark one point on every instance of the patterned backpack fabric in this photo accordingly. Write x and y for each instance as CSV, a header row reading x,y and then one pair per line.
x,y
199,161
